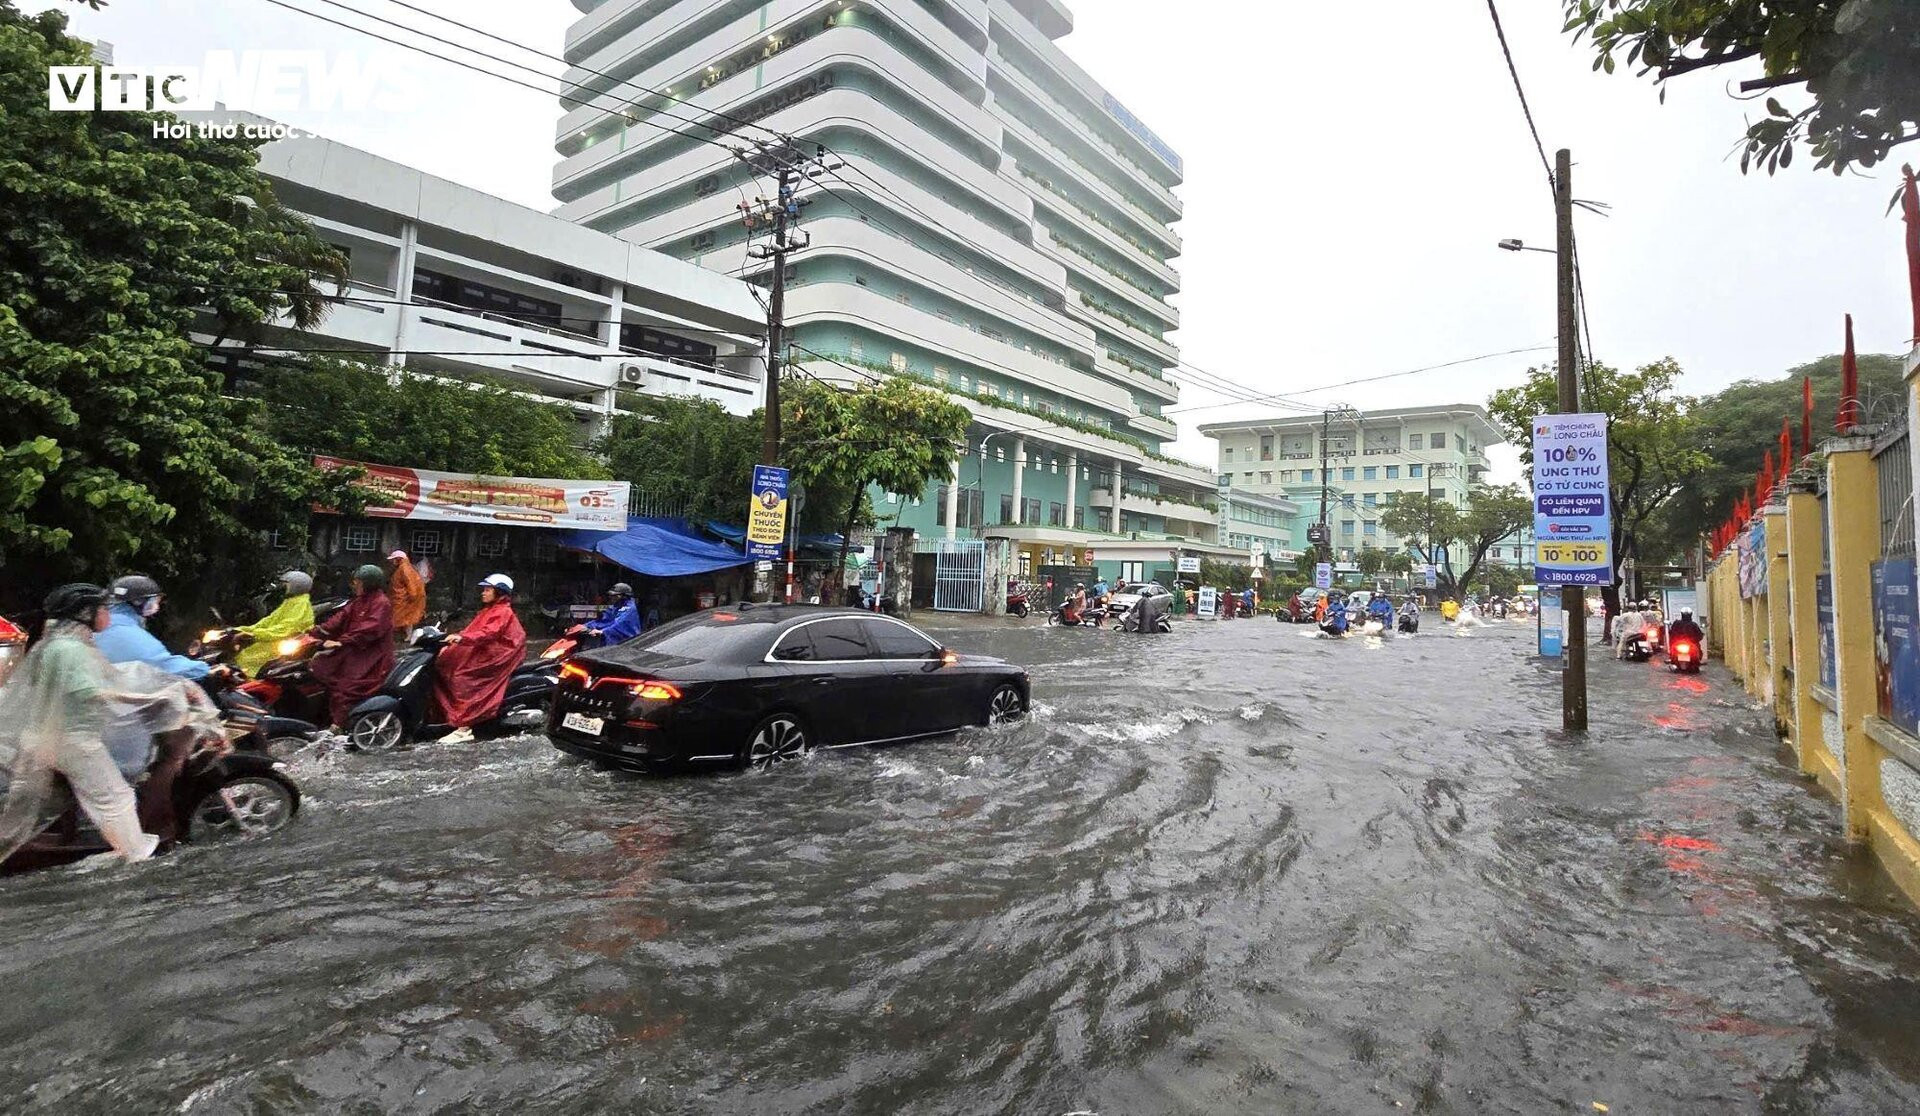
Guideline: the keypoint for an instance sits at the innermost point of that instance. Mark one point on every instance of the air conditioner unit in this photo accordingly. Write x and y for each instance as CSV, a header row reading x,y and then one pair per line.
x,y
634,374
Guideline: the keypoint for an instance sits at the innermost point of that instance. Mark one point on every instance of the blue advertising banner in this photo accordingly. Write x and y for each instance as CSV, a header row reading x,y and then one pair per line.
x,y
1753,559
767,514
1896,642
1553,623
1572,517
1823,620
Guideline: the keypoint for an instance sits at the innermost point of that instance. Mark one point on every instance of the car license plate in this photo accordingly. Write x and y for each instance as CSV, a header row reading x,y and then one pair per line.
x,y
580,722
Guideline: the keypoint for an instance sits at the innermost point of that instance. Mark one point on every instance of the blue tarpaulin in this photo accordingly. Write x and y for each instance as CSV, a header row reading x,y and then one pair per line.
x,y
657,548
738,534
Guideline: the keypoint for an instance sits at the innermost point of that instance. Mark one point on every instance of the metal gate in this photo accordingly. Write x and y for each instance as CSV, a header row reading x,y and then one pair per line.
x,y
960,575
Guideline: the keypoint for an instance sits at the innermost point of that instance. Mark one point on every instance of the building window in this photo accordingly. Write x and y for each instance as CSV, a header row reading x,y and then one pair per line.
x,y
1079,518
1393,498
940,508
493,544
1103,519
1393,472
1132,571
1226,454
361,539
1368,500
1494,554
424,542
1031,510
1056,515
1416,470
1437,441
1266,478
1246,478
1006,507
1346,474
1346,526
1371,472
1266,447
1372,529
1306,476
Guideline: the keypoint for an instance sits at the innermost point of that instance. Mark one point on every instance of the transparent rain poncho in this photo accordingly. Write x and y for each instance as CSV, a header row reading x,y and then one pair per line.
x,y
61,704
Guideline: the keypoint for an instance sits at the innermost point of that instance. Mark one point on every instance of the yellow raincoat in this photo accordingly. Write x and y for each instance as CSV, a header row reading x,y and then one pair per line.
x,y
1449,609
294,616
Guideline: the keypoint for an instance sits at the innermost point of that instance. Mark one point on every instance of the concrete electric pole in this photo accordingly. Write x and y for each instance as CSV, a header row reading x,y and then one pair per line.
x,y
1573,693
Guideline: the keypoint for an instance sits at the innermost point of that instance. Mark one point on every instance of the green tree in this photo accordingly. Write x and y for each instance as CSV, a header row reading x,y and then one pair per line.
x,y
894,435
1371,561
1503,581
117,448
1858,59
1739,425
689,448
1399,563
1421,518
1653,445
1493,513
389,416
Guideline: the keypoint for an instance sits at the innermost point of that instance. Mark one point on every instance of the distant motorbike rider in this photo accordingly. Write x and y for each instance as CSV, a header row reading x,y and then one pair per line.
x,y
135,600
620,620
1410,615
407,591
1145,616
358,639
54,711
1381,608
291,617
1627,629
471,673
1337,620
1685,627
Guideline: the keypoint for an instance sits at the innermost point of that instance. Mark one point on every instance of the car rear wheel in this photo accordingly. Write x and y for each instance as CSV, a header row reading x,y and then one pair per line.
x,y
777,740
1006,706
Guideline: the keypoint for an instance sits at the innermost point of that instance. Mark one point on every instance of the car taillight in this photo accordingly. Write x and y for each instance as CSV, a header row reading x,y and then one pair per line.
x,y
655,690
574,672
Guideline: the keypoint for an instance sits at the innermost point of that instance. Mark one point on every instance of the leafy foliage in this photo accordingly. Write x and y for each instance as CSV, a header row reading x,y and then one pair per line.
x,y
1859,61
687,448
117,448
1739,425
894,434
390,416
1493,513
1653,443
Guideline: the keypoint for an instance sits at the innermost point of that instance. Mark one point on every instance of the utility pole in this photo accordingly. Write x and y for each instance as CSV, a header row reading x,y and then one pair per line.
x,y
1326,530
783,161
1573,693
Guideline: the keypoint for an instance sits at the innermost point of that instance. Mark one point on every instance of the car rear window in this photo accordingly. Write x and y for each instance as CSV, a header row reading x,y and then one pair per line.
x,y
837,640
699,637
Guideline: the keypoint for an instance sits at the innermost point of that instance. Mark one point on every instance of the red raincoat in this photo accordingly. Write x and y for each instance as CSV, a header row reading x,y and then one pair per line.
x,y
352,674
470,677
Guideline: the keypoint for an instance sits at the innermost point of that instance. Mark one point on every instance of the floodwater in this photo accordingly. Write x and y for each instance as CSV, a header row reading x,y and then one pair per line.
x,y
1232,869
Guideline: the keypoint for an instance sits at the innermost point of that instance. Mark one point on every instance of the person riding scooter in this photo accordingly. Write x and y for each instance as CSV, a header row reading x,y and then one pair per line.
x,y
1380,608
470,676
1335,624
619,621
293,616
135,600
1410,616
358,640
1686,627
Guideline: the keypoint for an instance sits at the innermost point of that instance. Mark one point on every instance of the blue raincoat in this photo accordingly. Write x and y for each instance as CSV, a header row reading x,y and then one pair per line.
x,y
127,640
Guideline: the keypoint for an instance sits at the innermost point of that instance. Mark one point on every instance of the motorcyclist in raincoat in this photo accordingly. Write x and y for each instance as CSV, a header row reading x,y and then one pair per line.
x,y
472,671
620,620
1336,622
358,639
408,592
55,713
1381,608
293,616
136,600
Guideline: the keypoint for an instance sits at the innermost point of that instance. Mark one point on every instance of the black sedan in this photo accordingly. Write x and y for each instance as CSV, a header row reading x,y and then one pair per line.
x,y
761,685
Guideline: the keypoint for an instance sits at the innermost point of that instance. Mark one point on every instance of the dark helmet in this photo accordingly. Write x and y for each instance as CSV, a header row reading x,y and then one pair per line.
x,y
620,590
371,577
135,589
75,602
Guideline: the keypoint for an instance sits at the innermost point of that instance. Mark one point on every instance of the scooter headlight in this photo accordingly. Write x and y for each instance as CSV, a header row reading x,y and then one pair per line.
x,y
210,635
288,646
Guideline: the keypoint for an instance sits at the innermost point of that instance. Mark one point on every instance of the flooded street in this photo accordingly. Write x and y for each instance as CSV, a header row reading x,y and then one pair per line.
x,y
1231,869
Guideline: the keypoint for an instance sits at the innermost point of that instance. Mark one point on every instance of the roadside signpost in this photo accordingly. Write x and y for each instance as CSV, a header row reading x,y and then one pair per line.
x,y
1323,575
1572,522
1189,564
1432,575
1207,604
1550,623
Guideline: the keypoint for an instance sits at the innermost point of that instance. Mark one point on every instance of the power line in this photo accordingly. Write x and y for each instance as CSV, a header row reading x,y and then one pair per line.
x,y
1520,90
1376,379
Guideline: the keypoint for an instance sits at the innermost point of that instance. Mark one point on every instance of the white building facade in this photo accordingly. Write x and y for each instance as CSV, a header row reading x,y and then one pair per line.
x,y
1360,465
1001,228
451,282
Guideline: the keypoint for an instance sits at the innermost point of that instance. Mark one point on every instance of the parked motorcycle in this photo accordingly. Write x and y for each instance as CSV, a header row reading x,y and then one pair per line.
x,y
402,711
244,792
1017,600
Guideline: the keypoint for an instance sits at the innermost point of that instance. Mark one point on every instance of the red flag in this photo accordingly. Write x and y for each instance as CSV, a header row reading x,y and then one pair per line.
x,y
1806,416
1848,415
1910,210
1786,443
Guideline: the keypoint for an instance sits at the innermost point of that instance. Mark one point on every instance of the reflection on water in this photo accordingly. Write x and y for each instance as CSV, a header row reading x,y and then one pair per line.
x,y
1230,869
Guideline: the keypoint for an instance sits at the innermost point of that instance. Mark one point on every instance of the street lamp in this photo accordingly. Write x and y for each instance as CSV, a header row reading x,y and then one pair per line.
x,y
1515,245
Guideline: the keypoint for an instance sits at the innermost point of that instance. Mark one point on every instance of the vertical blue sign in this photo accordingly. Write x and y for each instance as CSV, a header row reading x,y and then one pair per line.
x,y
1553,623
1823,622
1896,642
1572,514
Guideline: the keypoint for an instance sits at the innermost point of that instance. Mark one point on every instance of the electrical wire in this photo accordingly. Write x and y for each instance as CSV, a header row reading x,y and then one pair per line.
x,y
1386,376
1520,90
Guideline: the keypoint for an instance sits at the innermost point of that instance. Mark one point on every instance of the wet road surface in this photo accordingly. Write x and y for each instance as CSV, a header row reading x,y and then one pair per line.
x,y
1233,869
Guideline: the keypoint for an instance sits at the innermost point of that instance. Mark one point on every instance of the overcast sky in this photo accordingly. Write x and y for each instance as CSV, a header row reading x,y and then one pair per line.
x,y
1346,183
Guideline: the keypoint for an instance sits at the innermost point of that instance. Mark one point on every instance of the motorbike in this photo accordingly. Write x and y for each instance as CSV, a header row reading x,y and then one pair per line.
x,y
1640,646
286,685
217,796
1090,617
1130,622
1409,623
1017,600
401,712
1684,656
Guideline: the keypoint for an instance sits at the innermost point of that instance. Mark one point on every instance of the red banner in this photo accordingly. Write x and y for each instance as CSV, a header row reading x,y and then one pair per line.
x,y
501,501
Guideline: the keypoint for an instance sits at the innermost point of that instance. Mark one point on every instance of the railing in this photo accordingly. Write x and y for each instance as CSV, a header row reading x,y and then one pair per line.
x,y
507,319
1893,460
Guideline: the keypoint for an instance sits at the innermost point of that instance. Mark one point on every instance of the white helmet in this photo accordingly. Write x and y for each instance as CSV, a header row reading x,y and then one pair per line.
x,y
500,583
296,582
